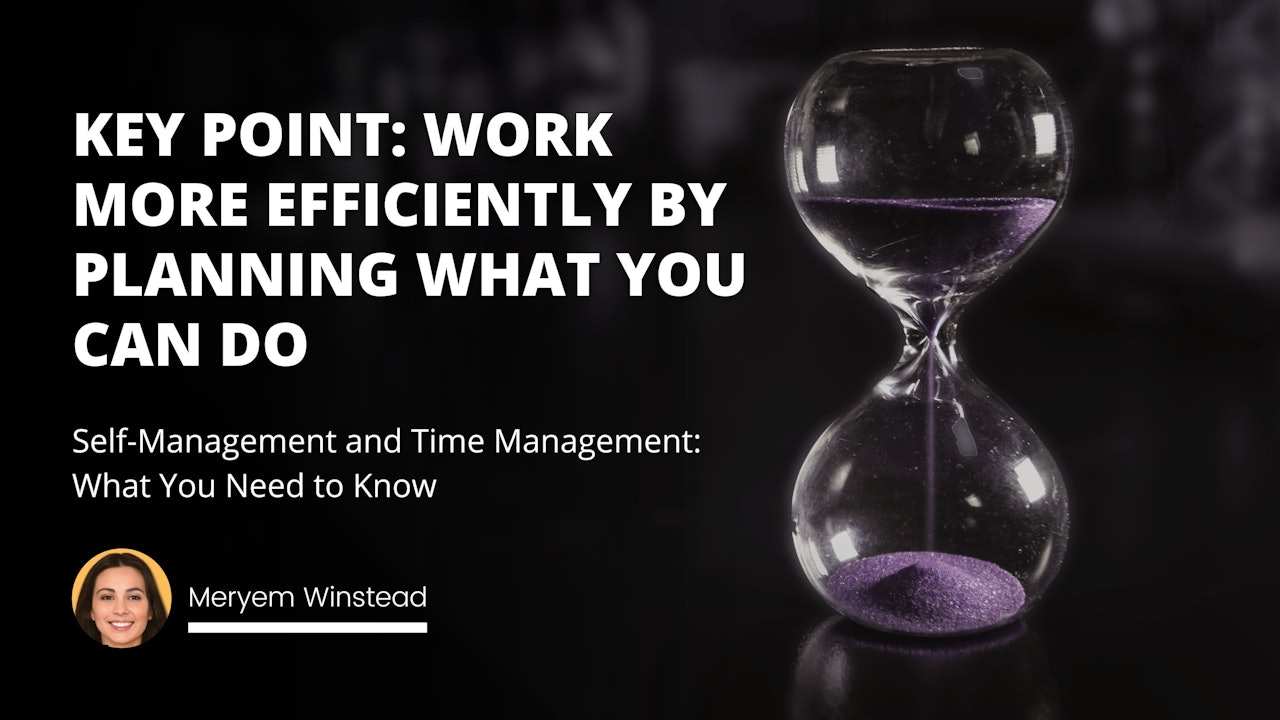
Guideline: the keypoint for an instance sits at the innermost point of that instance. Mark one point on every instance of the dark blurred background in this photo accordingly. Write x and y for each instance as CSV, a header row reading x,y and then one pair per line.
x,y
1140,337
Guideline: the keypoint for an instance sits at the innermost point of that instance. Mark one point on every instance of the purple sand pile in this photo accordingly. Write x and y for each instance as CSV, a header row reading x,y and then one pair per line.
x,y
926,593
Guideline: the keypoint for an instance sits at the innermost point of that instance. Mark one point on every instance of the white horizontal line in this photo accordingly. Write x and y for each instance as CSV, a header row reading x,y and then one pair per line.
x,y
307,628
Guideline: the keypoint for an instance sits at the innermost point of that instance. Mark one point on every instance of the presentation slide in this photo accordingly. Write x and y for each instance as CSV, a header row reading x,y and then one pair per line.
x,y
619,359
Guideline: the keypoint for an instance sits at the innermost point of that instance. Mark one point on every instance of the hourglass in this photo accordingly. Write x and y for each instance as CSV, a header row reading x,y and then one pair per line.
x,y
929,508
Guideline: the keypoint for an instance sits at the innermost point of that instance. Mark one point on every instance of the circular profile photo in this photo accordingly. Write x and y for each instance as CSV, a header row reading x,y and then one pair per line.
x,y
121,598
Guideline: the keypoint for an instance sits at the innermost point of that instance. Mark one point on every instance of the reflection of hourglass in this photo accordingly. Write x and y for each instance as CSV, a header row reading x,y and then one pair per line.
x,y
929,508
844,671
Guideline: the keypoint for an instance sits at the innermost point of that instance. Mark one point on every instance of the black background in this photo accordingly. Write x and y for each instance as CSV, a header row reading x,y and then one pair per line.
x,y
1139,337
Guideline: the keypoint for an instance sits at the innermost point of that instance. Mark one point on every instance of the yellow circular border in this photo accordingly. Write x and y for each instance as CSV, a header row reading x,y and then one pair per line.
x,y
162,580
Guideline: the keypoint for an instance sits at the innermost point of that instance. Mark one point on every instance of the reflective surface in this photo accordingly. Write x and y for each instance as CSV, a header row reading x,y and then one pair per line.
x,y
845,671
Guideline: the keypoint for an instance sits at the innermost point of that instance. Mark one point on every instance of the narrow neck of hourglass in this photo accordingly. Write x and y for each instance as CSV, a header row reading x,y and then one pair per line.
x,y
929,358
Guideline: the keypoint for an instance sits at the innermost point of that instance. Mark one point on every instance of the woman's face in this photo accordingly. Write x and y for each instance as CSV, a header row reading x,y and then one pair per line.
x,y
121,608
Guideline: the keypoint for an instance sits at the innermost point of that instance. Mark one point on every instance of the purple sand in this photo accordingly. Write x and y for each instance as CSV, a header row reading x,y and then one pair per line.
x,y
926,593
928,235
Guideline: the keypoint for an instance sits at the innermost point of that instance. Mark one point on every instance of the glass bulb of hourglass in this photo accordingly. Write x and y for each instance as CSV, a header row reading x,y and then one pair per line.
x,y
930,507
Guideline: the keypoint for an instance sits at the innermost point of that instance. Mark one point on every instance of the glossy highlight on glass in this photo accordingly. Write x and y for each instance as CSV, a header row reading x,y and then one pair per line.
x,y
929,508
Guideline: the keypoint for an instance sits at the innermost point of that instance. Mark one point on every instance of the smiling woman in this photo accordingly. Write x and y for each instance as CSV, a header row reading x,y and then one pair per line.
x,y
119,602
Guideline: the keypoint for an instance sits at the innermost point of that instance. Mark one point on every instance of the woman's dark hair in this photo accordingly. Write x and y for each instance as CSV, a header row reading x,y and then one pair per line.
x,y
155,603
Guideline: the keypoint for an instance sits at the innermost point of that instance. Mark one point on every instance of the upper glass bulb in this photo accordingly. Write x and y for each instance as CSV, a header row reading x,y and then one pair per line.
x,y
927,172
